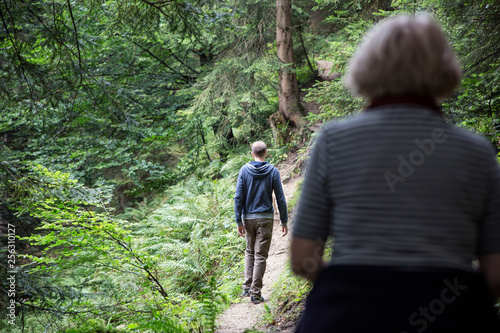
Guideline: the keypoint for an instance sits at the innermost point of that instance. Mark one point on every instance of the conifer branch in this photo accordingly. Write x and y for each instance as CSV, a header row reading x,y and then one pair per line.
x,y
76,36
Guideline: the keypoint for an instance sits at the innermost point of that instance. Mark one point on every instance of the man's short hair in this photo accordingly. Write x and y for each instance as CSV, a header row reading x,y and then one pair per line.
x,y
404,55
259,148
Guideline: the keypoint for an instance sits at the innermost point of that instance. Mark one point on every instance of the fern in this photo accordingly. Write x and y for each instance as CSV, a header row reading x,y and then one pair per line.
x,y
232,167
211,303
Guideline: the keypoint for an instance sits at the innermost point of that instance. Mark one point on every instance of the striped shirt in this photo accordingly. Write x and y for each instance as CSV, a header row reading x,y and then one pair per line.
x,y
398,186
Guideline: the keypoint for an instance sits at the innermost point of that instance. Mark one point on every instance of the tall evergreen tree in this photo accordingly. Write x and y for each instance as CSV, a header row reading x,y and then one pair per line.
x,y
289,99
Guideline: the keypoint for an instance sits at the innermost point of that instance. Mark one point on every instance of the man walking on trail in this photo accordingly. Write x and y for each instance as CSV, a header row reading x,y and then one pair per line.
x,y
253,206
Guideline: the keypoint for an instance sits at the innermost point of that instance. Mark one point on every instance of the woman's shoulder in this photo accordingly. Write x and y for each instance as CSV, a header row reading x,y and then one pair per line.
x,y
470,142
381,119
404,118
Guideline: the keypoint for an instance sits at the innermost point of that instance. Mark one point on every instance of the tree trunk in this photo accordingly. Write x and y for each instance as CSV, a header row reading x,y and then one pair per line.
x,y
289,99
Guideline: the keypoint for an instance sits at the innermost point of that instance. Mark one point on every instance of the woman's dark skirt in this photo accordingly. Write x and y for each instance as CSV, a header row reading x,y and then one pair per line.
x,y
364,299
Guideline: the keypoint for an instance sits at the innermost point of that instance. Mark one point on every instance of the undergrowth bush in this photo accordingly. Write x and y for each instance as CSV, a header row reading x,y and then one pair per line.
x,y
172,271
288,298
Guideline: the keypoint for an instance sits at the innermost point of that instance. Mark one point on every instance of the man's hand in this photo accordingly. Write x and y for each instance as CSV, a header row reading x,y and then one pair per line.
x,y
285,231
241,231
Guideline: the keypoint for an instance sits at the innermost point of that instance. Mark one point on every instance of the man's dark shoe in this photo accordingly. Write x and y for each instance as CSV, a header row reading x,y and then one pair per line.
x,y
245,293
257,299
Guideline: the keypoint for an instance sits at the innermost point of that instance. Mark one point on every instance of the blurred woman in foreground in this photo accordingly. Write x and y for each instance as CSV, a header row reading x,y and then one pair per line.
x,y
409,199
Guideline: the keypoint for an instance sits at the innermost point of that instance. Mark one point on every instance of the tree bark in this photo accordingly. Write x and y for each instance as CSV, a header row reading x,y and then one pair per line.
x,y
289,98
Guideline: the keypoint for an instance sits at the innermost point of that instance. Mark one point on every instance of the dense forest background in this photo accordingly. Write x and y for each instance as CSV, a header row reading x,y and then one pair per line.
x,y
124,124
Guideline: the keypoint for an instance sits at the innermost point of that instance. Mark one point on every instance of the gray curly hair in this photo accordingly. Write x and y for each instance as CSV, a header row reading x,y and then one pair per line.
x,y
404,55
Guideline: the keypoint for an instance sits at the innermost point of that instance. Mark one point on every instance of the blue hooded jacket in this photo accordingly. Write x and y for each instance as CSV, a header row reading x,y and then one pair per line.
x,y
254,193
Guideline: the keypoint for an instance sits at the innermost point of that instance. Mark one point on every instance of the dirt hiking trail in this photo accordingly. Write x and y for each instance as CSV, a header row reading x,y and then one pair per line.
x,y
246,315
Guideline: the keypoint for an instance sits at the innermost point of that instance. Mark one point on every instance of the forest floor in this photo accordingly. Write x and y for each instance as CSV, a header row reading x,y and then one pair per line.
x,y
246,316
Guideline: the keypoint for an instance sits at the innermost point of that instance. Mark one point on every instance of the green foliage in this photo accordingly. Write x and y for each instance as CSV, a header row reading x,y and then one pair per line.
x,y
476,103
288,298
26,186
482,125
232,167
124,125
154,274
79,246
134,94
471,29
354,12
304,75
93,326
212,301
235,100
335,101
105,105
94,88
